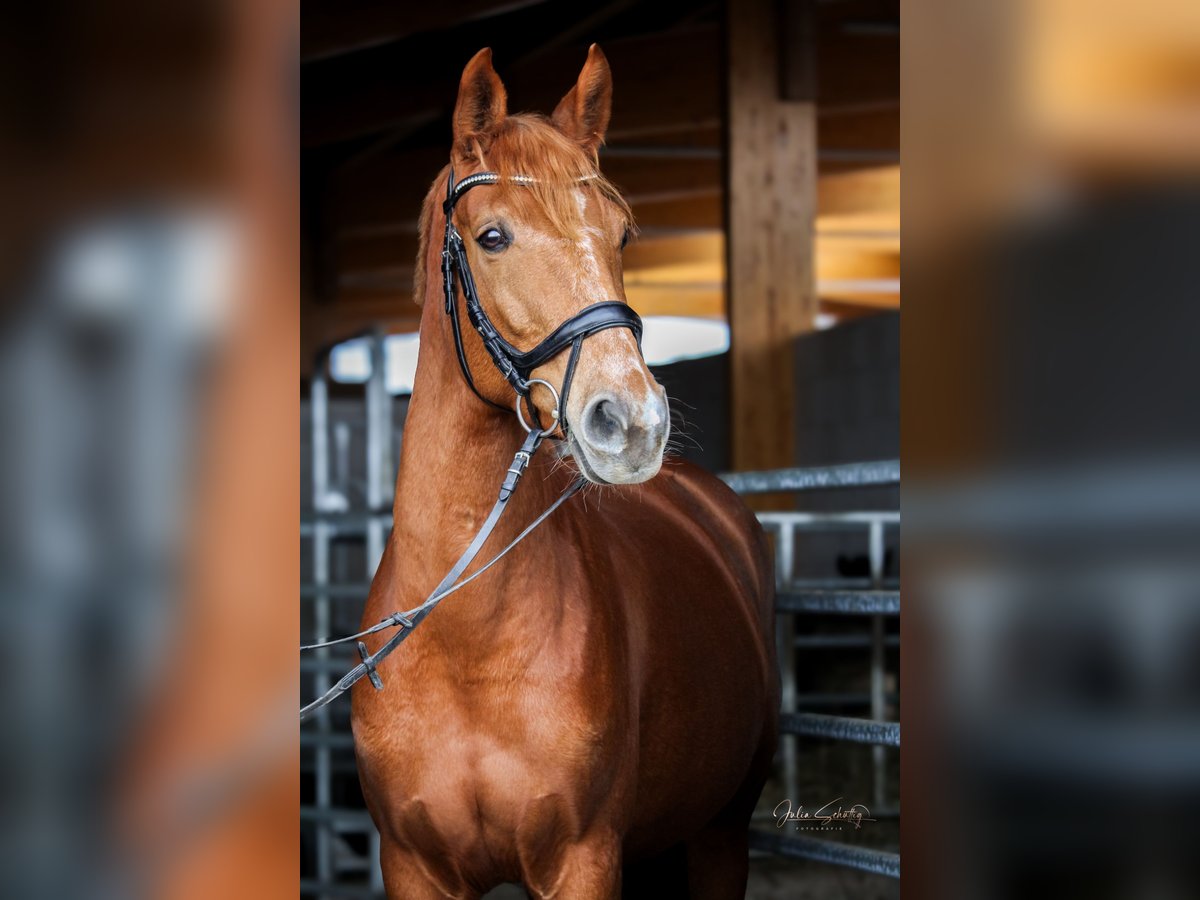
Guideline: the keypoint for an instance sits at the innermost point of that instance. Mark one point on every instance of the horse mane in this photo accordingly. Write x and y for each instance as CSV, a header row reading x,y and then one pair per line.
x,y
528,144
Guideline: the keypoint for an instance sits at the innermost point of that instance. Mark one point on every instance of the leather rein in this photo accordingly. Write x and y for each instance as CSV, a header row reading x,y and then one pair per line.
x,y
517,367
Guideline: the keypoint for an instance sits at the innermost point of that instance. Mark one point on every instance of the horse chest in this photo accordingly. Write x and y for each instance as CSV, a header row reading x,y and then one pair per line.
x,y
480,753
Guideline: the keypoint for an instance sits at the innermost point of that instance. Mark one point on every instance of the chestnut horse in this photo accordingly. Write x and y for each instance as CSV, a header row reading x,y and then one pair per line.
x,y
597,713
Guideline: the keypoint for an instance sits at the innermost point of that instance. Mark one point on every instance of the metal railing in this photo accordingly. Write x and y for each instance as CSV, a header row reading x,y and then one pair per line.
x,y
334,856
873,598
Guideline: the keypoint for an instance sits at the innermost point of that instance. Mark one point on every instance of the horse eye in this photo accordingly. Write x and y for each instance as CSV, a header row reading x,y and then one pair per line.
x,y
625,239
493,240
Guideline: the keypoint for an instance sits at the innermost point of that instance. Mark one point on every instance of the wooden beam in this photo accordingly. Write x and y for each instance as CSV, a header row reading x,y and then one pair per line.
x,y
871,190
865,200
772,200
839,259
648,254
701,211
848,311
879,294
701,257
703,299
860,128
798,25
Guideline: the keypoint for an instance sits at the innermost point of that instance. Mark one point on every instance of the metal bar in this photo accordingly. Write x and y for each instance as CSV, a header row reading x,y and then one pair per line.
x,y
326,740
864,474
380,478
845,603
819,523
321,614
865,859
841,728
318,409
785,637
376,863
856,517
309,887
321,683
838,584
340,664
875,551
841,641
345,818
341,457
807,701
346,590
353,523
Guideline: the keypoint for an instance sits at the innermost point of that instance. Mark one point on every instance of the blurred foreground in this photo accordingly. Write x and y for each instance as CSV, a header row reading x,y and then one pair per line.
x,y
1051,447
148,457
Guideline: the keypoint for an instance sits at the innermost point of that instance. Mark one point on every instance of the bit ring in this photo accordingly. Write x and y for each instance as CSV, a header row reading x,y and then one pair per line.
x,y
546,432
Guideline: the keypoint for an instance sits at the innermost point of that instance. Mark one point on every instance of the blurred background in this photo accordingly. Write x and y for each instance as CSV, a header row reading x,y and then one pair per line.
x,y
758,145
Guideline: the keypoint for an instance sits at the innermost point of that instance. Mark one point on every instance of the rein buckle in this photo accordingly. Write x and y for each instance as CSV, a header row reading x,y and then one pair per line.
x,y
520,463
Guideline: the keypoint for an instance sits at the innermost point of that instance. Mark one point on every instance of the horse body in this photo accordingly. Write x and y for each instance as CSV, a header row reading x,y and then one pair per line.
x,y
607,693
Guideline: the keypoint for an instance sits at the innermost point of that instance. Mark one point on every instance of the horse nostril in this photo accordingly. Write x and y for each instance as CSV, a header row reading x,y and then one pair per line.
x,y
605,424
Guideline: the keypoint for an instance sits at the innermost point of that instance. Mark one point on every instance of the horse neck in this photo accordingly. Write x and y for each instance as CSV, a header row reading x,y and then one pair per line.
x,y
456,450
454,443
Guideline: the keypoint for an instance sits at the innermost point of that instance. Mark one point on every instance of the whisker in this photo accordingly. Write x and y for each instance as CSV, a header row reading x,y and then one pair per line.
x,y
671,400
681,427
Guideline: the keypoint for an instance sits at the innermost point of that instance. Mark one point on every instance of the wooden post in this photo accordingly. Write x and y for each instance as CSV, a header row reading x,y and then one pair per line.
x,y
772,168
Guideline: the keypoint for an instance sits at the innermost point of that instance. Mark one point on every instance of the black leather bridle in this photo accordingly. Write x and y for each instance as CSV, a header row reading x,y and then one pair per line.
x,y
517,368
516,365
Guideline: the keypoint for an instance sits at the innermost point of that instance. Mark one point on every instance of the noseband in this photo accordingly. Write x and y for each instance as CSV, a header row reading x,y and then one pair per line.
x,y
515,365
517,368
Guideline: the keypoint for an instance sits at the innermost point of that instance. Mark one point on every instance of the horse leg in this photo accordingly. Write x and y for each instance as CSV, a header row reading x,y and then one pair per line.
x,y
719,855
589,869
404,876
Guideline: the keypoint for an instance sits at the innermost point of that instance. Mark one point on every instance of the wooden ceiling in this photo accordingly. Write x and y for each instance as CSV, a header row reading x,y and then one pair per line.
x,y
378,82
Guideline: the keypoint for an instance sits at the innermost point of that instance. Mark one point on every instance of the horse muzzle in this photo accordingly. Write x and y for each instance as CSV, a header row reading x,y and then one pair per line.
x,y
620,442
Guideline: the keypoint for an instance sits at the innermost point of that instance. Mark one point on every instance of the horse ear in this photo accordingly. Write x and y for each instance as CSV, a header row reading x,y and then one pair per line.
x,y
482,103
584,113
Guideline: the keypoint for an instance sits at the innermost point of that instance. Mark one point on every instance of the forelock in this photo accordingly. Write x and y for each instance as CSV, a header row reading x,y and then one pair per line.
x,y
530,145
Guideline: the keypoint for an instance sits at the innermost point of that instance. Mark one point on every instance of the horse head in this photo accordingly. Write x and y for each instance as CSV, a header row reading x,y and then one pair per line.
x,y
543,243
